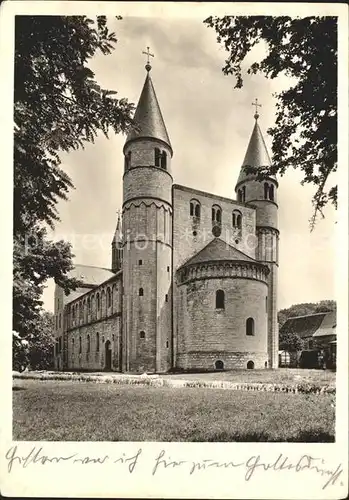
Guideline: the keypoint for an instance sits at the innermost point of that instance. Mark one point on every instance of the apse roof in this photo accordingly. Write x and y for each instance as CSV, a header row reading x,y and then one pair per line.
x,y
218,250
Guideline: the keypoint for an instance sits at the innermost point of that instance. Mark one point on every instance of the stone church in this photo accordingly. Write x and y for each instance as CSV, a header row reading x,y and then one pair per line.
x,y
193,278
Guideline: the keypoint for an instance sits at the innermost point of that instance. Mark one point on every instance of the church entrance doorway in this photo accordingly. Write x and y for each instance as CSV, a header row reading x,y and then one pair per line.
x,y
108,355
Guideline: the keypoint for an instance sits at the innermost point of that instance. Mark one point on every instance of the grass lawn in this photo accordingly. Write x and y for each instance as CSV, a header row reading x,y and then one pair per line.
x,y
280,375
85,411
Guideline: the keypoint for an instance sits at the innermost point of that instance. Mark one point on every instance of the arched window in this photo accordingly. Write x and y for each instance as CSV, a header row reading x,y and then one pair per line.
x,y
142,334
80,345
164,160
216,215
108,297
237,219
140,292
219,299
97,342
250,365
88,305
271,192
98,302
250,326
88,343
157,157
239,195
266,190
195,209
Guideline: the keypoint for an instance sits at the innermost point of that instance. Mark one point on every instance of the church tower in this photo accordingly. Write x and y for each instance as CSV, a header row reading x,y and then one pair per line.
x,y
262,194
116,248
147,238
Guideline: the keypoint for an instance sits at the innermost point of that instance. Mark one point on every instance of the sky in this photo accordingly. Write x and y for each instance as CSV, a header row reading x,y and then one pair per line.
x,y
209,124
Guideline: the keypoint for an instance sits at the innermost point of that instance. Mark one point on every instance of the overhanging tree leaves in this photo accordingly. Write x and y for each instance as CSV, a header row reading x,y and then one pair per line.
x,y
305,134
58,106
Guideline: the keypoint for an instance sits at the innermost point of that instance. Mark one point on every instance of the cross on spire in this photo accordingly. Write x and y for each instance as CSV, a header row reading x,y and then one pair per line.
x,y
148,54
256,115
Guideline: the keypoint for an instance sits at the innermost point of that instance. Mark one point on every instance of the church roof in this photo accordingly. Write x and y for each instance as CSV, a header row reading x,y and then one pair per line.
x,y
218,250
256,156
91,275
311,325
148,119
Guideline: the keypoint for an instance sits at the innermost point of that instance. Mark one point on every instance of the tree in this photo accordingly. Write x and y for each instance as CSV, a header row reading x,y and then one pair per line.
x,y
305,134
58,106
291,342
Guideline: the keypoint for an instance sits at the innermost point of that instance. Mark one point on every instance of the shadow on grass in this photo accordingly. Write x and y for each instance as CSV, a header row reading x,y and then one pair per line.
x,y
257,437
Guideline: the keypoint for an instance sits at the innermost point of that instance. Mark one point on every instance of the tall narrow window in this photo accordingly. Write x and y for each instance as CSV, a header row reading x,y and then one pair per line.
x,y
157,157
97,342
216,214
266,190
219,299
108,297
213,214
271,192
72,345
195,208
244,194
140,292
80,345
166,298
142,334
197,211
140,262
250,326
88,305
239,195
60,320
266,304
98,302
191,209
164,160
88,343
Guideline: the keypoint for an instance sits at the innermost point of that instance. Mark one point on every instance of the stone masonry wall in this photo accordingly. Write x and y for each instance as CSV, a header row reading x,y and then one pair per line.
x,y
201,328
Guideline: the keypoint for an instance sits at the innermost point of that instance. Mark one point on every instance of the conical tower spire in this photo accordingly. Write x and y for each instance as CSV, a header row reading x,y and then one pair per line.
x,y
116,247
149,122
257,155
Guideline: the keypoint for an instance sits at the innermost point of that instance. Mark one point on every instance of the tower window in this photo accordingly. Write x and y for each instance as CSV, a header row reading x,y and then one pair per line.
x,y
140,262
164,160
157,157
168,269
250,365
88,305
80,345
219,299
60,320
97,342
250,326
128,160
88,343
72,344
266,304
166,298
142,334
108,297
266,190
98,302
271,192
239,195
167,344
140,292
237,219
243,194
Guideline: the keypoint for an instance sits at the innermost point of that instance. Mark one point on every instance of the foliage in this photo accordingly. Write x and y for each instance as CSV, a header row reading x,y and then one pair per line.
x,y
290,341
58,107
305,134
306,308
36,351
